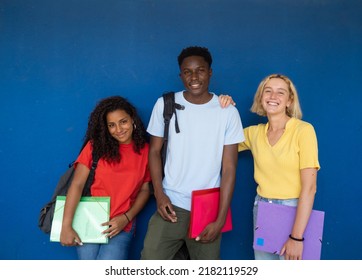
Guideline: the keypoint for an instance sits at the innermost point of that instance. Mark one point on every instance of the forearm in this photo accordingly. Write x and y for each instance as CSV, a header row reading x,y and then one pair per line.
x,y
74,194
155,165
226,193
304,209
140,201
305,203
227,183
156,175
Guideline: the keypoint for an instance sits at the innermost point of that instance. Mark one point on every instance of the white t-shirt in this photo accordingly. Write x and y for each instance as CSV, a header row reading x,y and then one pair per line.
x,y
194,156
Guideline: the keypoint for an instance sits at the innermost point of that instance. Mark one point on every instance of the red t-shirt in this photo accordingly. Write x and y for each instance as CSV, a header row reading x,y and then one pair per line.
x,y
120,181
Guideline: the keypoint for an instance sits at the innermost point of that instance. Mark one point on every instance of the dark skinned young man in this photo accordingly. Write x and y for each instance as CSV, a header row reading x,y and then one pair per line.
x,y
203,155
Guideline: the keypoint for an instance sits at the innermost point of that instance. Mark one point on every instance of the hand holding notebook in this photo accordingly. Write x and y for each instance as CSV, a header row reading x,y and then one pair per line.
x,y
274,224
91,212
204,210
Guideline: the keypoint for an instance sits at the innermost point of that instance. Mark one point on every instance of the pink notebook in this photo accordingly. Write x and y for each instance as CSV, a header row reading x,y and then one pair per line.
x,y
204,210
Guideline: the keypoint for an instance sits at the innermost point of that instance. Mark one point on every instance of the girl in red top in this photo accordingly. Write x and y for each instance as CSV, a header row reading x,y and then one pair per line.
x,y
117,136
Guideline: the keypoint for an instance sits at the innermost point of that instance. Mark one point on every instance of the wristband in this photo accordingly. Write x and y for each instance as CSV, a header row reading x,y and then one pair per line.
x,y
296,239
127,217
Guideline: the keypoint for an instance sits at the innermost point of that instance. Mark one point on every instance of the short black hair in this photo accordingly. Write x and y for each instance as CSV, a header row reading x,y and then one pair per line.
x,y
195,51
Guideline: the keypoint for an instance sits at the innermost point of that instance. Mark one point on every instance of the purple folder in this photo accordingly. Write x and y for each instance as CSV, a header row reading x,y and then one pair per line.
x,y
274,224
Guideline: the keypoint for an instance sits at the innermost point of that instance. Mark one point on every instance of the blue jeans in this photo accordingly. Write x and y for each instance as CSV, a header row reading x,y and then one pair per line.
x,y
116,249
261,255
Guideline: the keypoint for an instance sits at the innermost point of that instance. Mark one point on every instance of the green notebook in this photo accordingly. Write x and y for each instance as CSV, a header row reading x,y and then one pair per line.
x,y
91,212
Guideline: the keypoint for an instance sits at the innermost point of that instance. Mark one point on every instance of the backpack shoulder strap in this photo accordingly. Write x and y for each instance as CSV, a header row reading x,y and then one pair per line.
x,y
91,175
169,109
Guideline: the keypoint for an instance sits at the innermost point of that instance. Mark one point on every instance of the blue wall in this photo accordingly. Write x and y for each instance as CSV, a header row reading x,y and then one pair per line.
x,y
58,58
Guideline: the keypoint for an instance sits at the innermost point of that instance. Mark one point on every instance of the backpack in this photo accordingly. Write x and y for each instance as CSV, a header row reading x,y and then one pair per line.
x,y
47,211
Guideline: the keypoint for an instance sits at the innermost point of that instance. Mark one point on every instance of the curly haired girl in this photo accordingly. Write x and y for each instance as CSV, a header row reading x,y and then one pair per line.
x,y
117,136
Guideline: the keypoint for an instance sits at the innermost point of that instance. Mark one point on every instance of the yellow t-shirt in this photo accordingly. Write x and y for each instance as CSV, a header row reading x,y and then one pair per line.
x,y
277,168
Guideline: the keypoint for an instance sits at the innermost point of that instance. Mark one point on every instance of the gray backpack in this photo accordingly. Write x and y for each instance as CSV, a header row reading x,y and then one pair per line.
x,y
47,211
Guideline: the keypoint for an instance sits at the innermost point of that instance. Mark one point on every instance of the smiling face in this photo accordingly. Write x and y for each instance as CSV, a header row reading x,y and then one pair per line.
x,y
120,126
195,74
275,97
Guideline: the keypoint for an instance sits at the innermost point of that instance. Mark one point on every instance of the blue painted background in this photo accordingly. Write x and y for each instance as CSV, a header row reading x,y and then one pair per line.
x,y
58,58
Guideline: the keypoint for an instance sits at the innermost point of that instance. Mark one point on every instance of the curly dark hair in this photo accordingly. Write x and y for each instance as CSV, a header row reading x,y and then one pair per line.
x,y
195,51
104,145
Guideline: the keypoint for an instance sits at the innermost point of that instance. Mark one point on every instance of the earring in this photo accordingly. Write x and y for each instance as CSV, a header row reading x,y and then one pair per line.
x,y
134,126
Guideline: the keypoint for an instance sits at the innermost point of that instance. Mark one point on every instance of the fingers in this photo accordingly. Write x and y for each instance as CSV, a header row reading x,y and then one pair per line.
x,y
112,230
204,239
165,209
69,237
76,242
291,257
167,213
206,236
292,250
282,251
225,100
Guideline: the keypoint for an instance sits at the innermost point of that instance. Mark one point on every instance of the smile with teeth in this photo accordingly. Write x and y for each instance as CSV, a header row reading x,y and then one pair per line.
x,y
272,103
195,85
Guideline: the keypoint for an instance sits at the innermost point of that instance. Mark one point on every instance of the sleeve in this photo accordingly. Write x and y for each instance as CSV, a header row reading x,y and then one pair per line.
x,y
245,145
156,123
147,177
85,156
234,132
308,148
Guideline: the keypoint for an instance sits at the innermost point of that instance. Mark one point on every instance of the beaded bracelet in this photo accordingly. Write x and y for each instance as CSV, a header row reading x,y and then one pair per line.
x,y
127,217
296,239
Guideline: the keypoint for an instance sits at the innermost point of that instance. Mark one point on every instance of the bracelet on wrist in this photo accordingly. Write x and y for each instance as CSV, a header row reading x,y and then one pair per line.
x,y
296,239
127,217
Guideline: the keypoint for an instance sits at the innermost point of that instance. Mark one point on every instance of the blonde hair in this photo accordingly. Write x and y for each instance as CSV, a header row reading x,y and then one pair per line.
x,y
293,110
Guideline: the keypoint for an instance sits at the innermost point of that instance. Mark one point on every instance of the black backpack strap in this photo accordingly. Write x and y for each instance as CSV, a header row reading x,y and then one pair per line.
x,y
169,109
89,182
168,100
